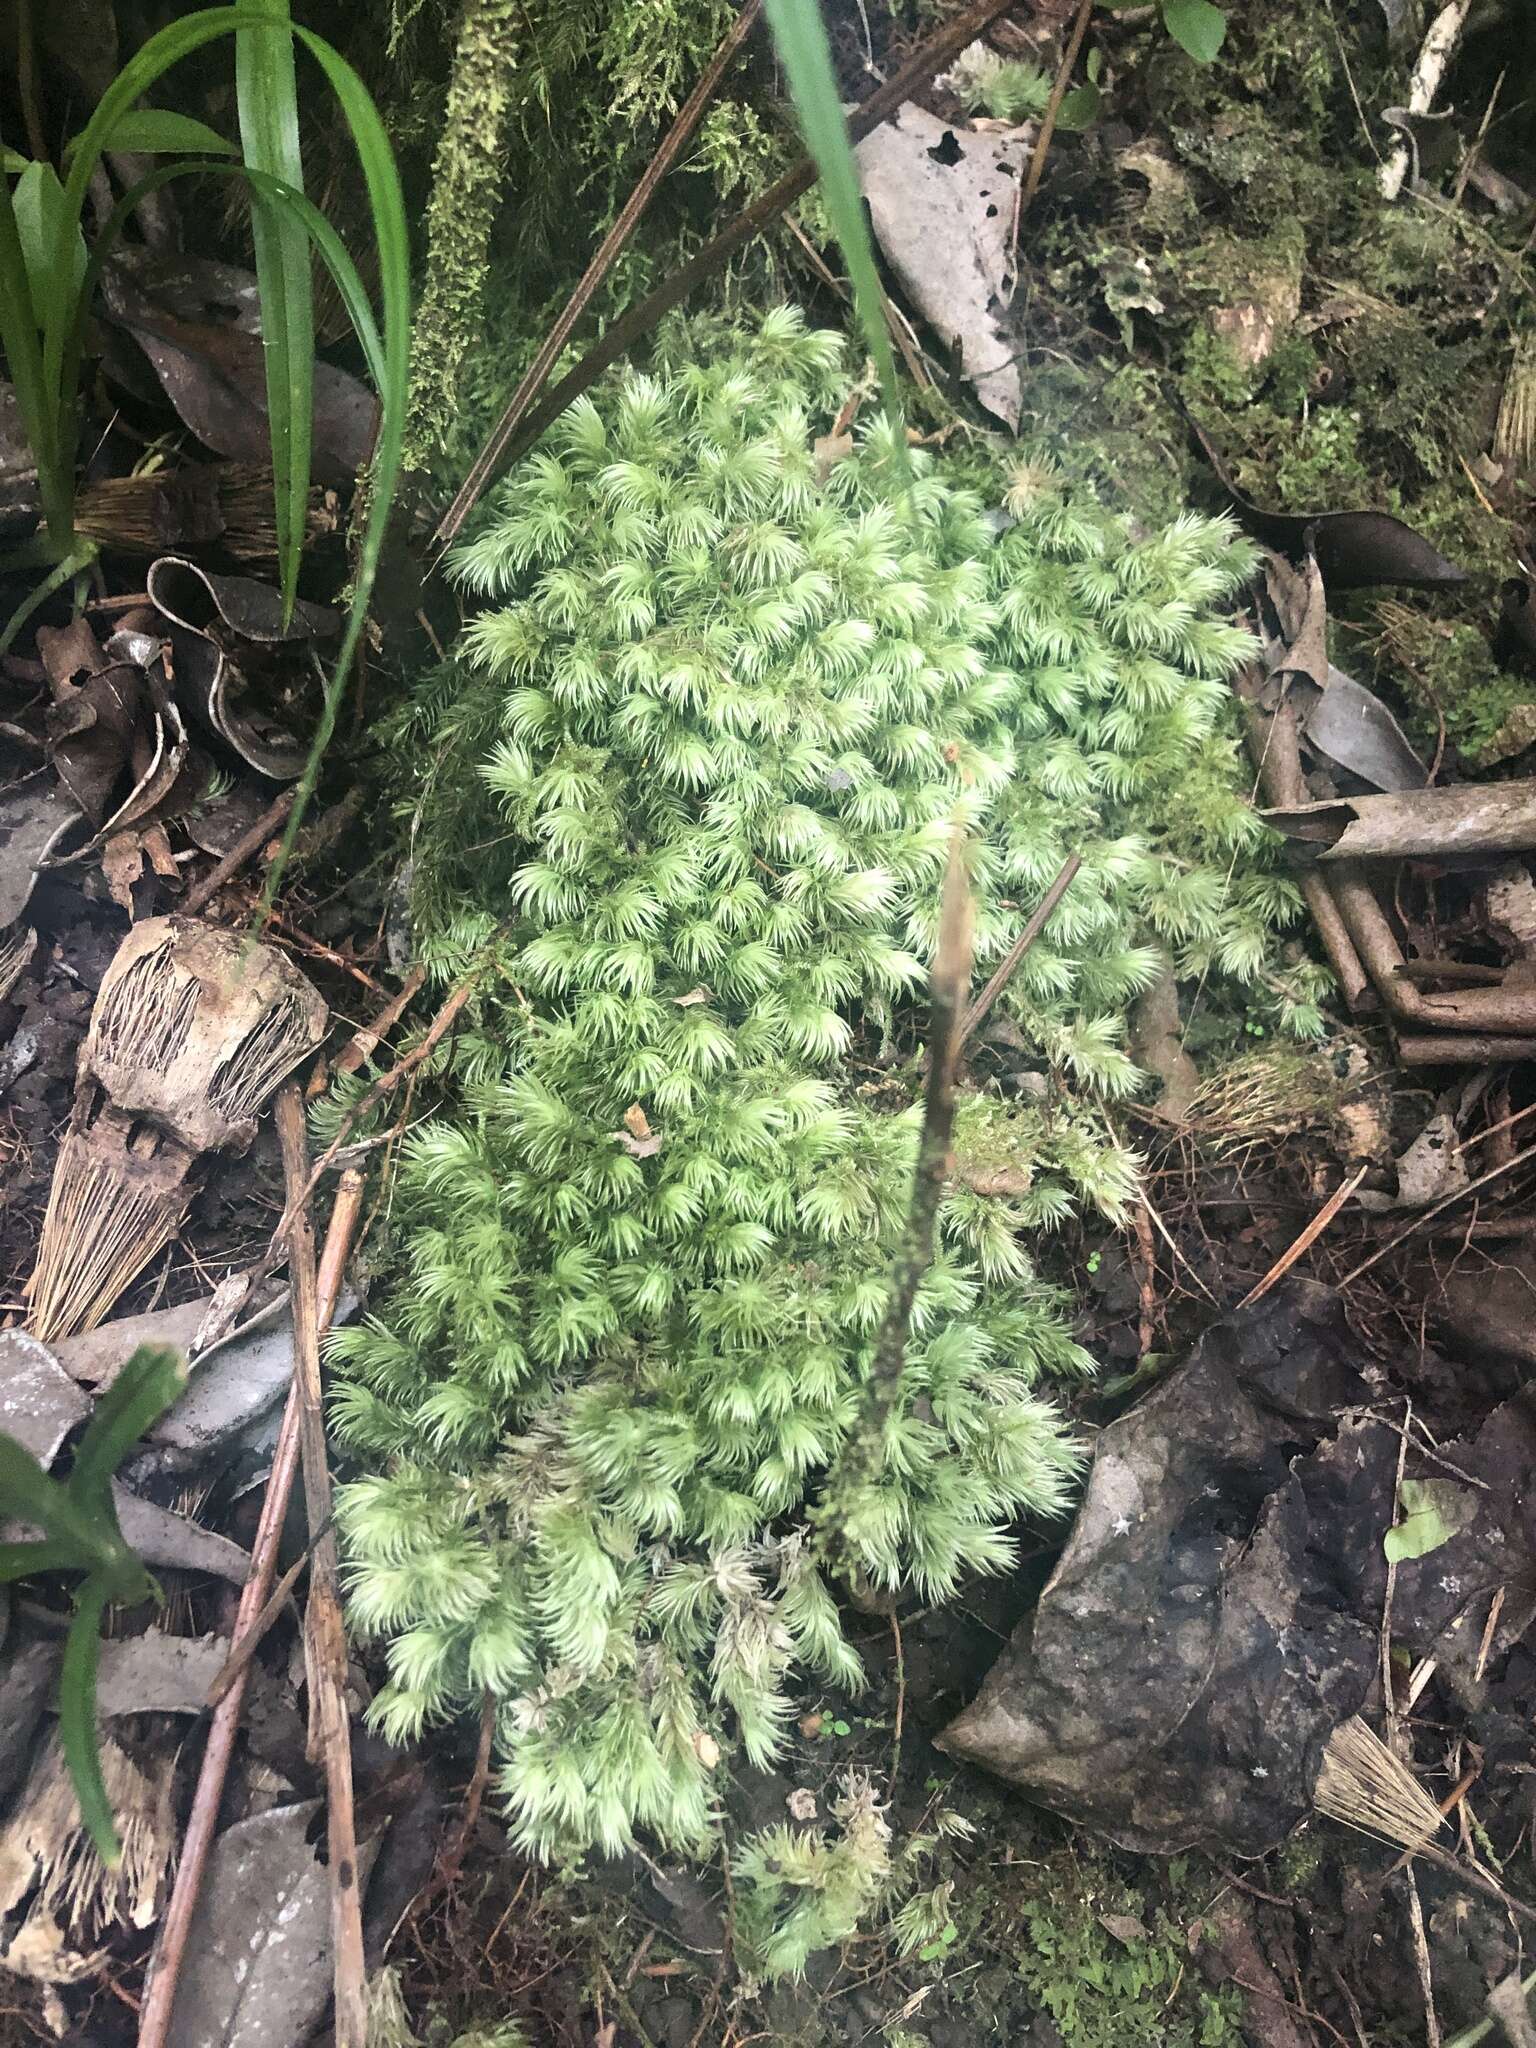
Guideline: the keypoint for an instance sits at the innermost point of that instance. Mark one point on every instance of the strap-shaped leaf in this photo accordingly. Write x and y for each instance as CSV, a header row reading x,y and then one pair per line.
x,y
266,92
77,1717
800,34
27,1493
138,1397
24,1560
156,131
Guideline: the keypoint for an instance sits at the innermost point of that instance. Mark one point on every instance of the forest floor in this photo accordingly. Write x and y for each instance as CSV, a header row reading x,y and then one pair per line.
x,y
1214,247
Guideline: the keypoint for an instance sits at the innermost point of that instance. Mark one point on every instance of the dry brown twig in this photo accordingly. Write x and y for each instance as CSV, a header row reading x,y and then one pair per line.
x,y
976,1014
1306,1238
325,1636
202,1825
1048,120
949,981
245,848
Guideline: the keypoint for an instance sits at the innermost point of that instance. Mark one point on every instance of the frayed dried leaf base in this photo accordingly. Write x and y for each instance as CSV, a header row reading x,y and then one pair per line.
x,y
49,1865
1369,1789
192,1030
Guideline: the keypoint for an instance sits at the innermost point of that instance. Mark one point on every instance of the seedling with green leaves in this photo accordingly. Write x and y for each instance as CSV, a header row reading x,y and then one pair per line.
x,y
81,1534
48,280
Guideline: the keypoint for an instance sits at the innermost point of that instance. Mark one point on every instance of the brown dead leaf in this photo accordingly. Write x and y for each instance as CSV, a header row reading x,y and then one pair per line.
x,y
694,995
829,450
636,1122
122,863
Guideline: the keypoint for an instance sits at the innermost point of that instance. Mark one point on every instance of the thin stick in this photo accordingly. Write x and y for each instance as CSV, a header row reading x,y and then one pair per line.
x,y
1388,1696
1043,913
1064,71
364,1042
202,1825
862,1453
242,1653
1421,1959
929,57
500,437
325,1641
249,843
1307,1238
1434,1209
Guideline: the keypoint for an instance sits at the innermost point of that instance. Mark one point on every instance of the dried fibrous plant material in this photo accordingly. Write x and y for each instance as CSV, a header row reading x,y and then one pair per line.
x,y
50,1867
1261,1097
1514,435
1369,1789
192,1031
194,1027
16,948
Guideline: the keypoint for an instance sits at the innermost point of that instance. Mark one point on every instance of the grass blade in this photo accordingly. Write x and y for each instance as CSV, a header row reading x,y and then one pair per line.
x,y
77,1718
266,92
19,324
392,240
800,34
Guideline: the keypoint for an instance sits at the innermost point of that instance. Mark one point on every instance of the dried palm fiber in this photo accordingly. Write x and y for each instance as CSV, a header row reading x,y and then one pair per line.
x,y
227,502
1369,1789
54,1888
16,948
192,1031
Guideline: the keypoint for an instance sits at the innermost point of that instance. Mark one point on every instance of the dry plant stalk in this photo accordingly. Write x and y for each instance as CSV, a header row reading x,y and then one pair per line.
x,y
630,214
325,1638
202,1824
16,948
949,983
1514,435
192,1030
1369,1789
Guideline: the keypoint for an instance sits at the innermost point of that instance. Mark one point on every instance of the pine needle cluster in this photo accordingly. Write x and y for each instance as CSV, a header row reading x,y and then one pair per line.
x,y
689,783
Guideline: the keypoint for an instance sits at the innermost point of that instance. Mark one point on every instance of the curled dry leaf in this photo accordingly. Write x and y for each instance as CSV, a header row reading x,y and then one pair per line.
x,y
1352,548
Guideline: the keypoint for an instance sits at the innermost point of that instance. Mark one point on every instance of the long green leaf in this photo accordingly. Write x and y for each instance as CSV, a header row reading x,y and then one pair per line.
x,y
156,131
137,1398
20,321
391,235
31,1496
25,1560
800,34
267,95
392,240
77,1717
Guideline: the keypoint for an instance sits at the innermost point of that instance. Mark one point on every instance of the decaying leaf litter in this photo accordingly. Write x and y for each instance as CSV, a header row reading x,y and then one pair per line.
x,y
1334,1581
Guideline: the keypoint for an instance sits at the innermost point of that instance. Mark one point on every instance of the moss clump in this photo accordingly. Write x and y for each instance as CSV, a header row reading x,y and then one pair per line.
x,y
726,715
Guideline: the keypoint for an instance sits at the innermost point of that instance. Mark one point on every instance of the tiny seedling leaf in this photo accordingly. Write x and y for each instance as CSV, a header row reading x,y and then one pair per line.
x,y
1433,1511
1196,26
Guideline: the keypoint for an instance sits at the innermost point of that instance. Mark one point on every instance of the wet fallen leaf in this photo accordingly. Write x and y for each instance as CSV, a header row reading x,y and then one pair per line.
x,y
1352,548
212,369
